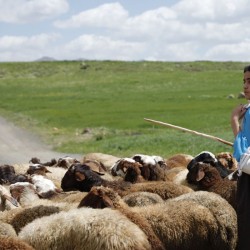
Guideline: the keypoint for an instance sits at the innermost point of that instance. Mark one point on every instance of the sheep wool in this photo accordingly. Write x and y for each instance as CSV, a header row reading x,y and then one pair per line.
x,y
92,229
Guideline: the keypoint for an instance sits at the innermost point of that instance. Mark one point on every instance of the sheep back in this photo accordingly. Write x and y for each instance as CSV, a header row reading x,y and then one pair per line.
x,y
92,229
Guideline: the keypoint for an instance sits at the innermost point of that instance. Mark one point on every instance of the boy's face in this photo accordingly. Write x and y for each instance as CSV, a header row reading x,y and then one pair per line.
x,y
246,85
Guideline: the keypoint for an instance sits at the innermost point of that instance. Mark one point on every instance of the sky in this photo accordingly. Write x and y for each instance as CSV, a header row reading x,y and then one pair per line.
x,y
126,30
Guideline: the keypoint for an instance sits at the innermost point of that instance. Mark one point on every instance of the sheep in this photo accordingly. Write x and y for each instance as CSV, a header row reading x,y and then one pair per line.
x,y
27,215
6,229
13,243
152,168
142,199
36,160
107,160
227,160
178,160
66,162
101,197
44,187
80,177
7,201
224,213
176,226
37,169
86,228
8,175
208,157
209,179
25,193
95,166
120,167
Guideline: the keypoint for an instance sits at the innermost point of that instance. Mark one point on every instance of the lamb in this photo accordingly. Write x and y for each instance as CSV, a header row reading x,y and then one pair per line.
x,y
176,226
87,228
209,179
80,177
13,243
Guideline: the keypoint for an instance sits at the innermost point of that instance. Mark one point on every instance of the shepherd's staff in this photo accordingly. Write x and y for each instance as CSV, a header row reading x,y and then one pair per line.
x,y
189,131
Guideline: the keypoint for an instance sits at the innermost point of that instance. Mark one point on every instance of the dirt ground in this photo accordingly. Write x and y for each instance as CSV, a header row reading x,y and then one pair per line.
x,y
18,146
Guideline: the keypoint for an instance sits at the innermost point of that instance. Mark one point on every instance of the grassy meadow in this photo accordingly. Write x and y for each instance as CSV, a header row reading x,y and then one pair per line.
x,y
100,108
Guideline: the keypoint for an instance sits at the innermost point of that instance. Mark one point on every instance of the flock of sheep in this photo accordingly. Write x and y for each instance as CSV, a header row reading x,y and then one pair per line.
x,y
105,202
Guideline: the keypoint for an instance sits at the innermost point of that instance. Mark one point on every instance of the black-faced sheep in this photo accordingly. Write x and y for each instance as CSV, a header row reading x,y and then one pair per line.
x,y
80,177
87,228
209,179
179,224
208,157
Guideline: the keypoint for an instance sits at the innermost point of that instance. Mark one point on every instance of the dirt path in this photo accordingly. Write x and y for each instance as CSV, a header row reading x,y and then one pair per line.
x,y
18,146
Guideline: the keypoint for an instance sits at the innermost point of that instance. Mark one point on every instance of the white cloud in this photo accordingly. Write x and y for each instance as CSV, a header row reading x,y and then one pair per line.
x,y
22,11
236,51
106,15
187,30
23,48
101,48
211,10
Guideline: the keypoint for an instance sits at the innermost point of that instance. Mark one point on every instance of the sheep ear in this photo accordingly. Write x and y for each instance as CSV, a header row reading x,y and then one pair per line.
x,y
11,199
200,175
47,171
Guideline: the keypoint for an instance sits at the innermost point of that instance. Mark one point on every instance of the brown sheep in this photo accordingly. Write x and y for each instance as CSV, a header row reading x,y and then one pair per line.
x,y
208,178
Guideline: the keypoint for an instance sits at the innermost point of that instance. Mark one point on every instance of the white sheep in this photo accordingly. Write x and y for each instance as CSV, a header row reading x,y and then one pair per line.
x,y
85,228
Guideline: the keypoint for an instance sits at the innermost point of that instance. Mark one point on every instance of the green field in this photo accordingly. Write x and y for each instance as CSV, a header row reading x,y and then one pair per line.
x,y
101,108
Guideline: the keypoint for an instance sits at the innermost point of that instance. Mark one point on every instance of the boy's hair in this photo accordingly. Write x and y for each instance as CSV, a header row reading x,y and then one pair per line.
x,y
247,68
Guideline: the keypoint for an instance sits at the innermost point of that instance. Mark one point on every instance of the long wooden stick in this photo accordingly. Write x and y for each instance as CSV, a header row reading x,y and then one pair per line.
x,y
189,131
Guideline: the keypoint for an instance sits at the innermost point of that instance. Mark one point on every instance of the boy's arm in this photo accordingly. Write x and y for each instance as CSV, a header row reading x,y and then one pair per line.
x,y
236,116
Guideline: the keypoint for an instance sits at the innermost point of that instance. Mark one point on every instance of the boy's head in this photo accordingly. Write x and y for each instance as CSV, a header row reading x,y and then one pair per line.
x,y
247,68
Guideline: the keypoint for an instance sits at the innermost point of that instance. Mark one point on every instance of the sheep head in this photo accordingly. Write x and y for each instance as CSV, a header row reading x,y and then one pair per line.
x,y
97,198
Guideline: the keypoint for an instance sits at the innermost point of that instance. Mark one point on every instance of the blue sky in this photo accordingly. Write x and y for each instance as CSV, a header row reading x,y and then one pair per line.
x,y
131,30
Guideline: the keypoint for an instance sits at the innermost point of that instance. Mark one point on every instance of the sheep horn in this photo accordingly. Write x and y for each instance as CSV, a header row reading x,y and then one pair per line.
x,y
190,131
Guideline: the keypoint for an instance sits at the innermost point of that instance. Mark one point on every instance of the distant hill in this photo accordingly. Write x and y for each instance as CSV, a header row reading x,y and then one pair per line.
x,y
45,59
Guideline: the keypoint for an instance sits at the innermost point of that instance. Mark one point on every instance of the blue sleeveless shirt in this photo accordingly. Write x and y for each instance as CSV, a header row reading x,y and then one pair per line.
x,y
242,140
